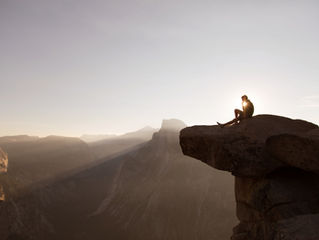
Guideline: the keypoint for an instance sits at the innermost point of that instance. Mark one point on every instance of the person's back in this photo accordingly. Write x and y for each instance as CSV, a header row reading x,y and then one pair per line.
x,y
248,109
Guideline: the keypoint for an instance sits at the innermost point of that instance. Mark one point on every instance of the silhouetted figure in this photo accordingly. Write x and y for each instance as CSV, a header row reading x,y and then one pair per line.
x,y
248,110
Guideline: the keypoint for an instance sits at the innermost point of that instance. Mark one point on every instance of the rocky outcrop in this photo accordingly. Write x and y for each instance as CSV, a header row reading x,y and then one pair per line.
x,y
275,161
3,161
3,169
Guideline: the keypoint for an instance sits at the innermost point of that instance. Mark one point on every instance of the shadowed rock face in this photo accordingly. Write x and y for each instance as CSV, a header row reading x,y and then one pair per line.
x,y
275,161
298,151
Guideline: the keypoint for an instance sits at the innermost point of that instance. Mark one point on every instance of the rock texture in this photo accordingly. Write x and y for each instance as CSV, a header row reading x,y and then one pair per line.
x,y
3,169
275,161
3,161
4,223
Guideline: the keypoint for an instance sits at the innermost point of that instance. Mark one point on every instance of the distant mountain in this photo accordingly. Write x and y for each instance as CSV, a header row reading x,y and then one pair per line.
x,y
152,192
144,133
34,159
93,138
115,145
18,138
172,125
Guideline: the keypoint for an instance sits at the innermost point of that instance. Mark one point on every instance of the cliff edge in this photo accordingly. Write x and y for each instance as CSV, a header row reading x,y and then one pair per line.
x,y
3,169
275,161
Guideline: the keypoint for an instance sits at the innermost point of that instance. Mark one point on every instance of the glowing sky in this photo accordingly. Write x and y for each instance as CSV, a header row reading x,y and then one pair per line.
x,y
69,67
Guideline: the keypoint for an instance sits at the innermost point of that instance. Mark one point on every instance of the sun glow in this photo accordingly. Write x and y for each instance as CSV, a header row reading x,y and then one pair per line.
x,y
244,104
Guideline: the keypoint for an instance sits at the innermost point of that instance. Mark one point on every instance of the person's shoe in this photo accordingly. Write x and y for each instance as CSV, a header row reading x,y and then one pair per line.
x,y
221,125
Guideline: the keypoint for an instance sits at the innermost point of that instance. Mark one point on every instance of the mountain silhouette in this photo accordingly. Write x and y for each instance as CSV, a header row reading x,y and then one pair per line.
x,y
34,159
116,144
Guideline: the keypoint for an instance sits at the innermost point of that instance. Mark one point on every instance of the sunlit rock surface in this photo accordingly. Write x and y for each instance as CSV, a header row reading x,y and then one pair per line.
x,y
4,224
275,161
3,169
3,161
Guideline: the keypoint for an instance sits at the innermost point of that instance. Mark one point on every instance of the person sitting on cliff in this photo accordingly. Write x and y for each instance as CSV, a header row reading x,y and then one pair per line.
x,y
248,110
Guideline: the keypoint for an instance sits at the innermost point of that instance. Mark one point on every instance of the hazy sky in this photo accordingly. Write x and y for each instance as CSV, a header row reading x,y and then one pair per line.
x,y
69,67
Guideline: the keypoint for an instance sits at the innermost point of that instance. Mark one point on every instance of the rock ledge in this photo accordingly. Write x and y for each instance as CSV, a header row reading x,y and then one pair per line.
x,y
275,161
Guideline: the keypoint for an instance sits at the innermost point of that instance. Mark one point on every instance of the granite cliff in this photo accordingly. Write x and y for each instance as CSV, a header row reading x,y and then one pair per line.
x,y
275,161
4,223
3,161
3,169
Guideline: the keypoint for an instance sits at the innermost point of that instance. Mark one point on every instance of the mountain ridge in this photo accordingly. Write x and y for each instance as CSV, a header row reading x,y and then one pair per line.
x,y
153,188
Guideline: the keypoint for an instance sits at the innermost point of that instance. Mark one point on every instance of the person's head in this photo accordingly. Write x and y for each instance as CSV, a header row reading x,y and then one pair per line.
x,y
244,98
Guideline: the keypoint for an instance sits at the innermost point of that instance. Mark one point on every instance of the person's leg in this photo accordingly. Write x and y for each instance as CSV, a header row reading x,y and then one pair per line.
x,y
238,113
238,117
235,120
